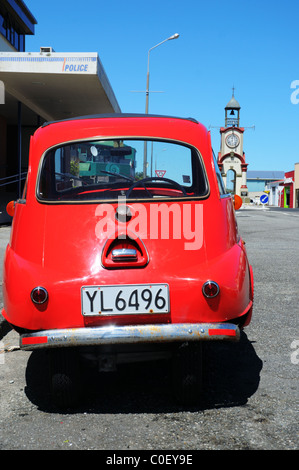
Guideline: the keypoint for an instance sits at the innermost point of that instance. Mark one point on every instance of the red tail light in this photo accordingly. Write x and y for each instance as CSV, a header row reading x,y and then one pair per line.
x,y
39,295
210,289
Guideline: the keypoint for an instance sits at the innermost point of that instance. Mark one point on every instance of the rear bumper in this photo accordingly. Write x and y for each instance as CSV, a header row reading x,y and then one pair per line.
x,y
132,334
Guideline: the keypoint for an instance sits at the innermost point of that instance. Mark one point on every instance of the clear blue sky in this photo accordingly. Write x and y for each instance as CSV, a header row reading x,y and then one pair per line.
x,y
250,44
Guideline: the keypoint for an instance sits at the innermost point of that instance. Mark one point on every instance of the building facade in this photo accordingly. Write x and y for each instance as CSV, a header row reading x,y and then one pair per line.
x,y
36,87
274,188
261,182
286,191
16,21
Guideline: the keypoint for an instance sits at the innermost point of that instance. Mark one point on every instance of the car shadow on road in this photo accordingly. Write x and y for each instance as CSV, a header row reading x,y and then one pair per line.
x,y
231,373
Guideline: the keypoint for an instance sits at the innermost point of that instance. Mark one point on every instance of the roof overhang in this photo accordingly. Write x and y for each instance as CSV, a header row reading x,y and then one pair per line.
x,y
55,86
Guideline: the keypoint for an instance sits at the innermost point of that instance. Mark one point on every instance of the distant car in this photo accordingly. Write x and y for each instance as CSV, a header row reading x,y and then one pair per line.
x,y
125,242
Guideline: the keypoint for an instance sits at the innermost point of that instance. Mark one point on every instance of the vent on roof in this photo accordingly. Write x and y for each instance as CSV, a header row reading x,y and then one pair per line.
x,y
47,49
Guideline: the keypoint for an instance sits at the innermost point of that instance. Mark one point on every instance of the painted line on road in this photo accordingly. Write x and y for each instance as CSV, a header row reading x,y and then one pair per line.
x,y
290,215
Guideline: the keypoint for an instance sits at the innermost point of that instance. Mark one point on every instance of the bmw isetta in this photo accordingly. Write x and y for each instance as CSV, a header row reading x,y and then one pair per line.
x,y
125,242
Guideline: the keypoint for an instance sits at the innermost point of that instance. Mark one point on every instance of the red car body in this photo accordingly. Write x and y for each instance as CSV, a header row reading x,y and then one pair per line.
x,y
66,239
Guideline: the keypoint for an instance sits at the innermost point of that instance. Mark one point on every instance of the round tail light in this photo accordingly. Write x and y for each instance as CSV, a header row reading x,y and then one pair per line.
x,y
210,289
39,295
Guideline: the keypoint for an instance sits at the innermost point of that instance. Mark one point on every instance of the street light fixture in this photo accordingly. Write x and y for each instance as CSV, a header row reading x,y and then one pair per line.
x,y
174,36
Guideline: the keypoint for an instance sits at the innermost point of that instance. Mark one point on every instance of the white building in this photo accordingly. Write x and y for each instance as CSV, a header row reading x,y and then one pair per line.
x,y
40,86
275,189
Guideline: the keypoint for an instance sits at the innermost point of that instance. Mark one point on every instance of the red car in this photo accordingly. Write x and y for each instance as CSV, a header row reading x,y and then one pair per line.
x,y
125,242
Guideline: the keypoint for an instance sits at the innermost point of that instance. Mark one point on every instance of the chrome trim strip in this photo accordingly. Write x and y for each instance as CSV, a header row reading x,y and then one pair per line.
x,y
132,334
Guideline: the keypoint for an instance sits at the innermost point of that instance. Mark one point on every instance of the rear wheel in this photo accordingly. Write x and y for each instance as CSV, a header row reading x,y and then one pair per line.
x,y
65,383
187,373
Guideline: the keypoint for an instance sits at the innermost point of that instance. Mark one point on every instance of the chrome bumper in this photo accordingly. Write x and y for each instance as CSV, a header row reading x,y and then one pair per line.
x,y
137,334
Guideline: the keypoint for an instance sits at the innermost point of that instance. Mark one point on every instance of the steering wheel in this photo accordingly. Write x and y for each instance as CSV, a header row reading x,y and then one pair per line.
x,y
154,178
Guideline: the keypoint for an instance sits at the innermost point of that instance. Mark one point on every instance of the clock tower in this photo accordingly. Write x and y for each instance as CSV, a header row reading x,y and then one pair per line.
x,y
231,158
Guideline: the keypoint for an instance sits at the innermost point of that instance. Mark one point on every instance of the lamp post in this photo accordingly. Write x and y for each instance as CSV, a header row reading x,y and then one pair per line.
x,y
174,36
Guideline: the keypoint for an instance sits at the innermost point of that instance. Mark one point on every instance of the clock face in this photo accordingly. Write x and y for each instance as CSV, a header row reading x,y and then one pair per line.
x,y
232,140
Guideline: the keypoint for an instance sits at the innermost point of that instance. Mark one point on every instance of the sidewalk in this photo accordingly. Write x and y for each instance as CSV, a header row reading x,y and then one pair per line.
x,y
260,207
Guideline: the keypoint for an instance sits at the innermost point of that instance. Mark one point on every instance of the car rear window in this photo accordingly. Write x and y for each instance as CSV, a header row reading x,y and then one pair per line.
x,y
108,169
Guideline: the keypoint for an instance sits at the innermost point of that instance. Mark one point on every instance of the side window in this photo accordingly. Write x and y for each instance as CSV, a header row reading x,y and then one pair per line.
x,y
220,181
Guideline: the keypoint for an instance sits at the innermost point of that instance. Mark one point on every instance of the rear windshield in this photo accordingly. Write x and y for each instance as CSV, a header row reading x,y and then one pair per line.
x,y
108,169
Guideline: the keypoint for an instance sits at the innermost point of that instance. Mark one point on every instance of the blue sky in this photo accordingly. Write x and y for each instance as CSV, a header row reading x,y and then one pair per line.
x,y
251,45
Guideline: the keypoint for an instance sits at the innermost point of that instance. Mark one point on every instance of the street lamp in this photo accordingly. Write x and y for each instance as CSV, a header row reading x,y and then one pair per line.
x,y
174,36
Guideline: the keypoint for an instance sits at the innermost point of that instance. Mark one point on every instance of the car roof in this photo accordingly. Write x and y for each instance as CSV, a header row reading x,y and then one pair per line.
x,y
54,133
119,115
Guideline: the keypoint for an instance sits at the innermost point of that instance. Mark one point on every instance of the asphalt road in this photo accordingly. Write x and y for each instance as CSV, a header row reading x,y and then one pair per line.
x,y
251,394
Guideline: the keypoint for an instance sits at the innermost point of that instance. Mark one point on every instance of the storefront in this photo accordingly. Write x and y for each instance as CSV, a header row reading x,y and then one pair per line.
x,y
287,192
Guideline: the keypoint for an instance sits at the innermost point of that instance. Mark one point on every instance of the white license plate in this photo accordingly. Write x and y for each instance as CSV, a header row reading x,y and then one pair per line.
x,y
125,299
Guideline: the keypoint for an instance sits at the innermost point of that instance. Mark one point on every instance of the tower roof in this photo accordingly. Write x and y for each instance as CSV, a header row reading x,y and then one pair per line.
x,y
233,104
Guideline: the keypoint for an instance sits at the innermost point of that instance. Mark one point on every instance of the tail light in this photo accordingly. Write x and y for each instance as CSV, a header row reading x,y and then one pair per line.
x,y
39,295
10,208
210,289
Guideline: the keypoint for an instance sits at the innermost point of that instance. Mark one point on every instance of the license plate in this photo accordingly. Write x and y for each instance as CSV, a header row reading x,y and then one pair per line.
x,y
125,299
